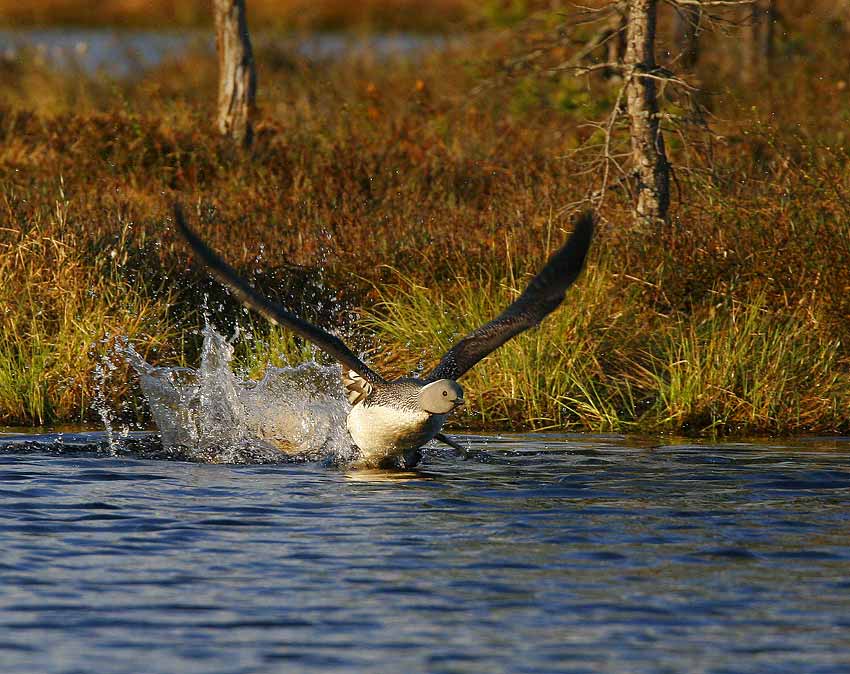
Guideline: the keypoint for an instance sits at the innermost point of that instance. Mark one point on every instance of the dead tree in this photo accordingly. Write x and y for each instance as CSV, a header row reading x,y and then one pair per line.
x,y
237,83
648,154
687,31
758,39
627,148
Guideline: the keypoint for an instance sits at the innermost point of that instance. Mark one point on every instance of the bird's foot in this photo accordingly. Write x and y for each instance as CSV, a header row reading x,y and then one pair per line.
x,y
462,451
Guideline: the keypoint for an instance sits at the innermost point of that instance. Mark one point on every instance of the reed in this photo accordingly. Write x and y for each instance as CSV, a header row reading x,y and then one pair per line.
x,y
62,312
557,375
741,369
746,369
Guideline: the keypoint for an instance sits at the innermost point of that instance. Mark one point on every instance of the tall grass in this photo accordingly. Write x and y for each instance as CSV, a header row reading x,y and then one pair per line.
x,y
557,375
261,346
746,368
62,310
742,369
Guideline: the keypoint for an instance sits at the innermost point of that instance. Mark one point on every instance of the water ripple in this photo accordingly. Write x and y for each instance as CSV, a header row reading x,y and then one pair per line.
x,y
552,553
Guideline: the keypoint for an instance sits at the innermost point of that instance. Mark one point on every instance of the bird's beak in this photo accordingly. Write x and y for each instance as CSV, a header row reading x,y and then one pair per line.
x,y
459,402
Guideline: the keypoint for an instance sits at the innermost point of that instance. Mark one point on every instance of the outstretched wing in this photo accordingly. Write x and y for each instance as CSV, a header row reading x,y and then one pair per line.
x,y
542,296
272,311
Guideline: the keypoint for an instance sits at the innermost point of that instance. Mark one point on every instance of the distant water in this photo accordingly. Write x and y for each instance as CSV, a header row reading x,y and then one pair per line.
x,y
122,53
544,554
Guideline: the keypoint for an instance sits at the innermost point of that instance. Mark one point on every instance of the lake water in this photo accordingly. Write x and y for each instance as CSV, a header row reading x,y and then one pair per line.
x,y
545,553
123,53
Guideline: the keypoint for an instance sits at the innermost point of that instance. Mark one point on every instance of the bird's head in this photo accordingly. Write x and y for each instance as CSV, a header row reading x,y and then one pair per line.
x,y
441,396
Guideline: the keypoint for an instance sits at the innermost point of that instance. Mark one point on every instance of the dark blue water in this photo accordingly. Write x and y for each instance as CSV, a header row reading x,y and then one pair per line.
x,y
546,554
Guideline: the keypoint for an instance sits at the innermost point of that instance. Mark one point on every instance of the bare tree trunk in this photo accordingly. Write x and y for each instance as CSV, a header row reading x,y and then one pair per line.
x,y
648,153
758,39
237,83
687,34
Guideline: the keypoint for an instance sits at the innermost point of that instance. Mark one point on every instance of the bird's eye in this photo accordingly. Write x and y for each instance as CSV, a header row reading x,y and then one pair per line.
x,y
445,393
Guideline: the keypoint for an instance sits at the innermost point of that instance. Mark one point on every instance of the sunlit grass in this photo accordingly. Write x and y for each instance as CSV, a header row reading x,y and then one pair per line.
x,y
265,345
62,310
746,369
591,365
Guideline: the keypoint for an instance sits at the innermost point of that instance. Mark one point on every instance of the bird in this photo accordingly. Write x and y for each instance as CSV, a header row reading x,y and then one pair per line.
x,y
391,420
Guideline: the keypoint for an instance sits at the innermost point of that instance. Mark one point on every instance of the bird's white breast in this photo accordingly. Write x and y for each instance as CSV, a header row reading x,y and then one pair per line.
x,y
381,431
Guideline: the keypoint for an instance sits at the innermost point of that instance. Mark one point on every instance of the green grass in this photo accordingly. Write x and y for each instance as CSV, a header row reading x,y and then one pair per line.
x,y
259,346
746,369
552,376
62,313
739,370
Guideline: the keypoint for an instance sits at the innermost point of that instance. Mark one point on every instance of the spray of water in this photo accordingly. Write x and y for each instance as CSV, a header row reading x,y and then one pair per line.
x,y
104,371
295,413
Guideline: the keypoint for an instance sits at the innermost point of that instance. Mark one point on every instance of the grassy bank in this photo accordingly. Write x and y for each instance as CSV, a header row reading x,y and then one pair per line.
x,y
388,202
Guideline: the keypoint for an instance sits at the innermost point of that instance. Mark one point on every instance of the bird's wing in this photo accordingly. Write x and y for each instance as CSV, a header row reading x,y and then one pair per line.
x,y
542,296
271,310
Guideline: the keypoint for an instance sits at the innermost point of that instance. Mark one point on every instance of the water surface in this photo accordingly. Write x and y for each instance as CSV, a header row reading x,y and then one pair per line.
x,y
544,554
123,53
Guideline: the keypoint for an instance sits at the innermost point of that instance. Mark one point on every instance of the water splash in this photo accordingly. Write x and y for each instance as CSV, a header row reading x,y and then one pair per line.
x,y
104,371
101,406
293,413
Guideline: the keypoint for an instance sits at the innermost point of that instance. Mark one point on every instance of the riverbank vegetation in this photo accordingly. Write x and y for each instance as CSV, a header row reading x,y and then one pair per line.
x,y
403,202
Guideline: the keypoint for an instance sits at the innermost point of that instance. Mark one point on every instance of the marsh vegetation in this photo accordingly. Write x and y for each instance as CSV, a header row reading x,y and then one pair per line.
x,y
402,201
